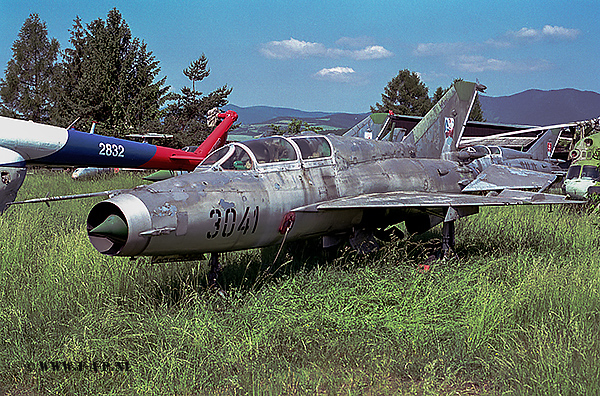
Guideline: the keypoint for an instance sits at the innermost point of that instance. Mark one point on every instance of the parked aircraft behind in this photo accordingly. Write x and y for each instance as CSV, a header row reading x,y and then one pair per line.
x,y
499,160
91,172
266,191
485,160
583,176
25,142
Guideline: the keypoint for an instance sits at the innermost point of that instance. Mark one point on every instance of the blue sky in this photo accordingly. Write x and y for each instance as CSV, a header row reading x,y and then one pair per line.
x,y
339,55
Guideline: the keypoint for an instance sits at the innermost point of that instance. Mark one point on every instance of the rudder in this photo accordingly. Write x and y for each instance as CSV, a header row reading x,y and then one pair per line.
x,y
442,127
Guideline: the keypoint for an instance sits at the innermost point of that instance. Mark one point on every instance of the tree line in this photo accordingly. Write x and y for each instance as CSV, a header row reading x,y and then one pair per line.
x,y
109,76
406,94
105,75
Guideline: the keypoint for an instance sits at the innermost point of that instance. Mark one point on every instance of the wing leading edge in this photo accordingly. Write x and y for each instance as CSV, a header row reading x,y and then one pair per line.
x,y
413,199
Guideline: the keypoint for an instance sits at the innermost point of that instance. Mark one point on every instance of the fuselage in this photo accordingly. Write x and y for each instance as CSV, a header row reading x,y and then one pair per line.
x,y
245,195
49,145
483,156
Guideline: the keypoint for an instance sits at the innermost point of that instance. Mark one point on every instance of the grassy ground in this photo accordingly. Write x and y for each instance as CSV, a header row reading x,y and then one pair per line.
x,y
518,312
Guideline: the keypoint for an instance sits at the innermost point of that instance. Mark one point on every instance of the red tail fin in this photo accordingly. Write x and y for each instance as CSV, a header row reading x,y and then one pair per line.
x,y
218,137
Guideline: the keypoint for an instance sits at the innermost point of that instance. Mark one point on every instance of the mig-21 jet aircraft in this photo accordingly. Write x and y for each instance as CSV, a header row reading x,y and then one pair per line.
x,y
265,191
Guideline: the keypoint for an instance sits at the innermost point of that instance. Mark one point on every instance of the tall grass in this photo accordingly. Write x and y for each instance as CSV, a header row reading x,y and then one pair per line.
x,y
516,312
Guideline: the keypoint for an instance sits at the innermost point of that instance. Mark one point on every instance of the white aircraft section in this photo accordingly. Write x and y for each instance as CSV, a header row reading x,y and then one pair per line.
x,y
30,139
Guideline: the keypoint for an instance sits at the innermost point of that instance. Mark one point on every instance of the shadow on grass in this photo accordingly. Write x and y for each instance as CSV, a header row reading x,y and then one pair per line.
x,y
175,283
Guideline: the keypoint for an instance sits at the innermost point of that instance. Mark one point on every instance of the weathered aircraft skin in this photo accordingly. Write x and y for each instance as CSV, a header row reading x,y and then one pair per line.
x,y
259,192
540,170
509,168
240,209
26,142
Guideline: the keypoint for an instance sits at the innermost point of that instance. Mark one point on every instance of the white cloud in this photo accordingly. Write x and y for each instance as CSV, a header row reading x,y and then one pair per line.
x,y
337,74
372,52
292,48
478,64
355,42
560,32
469,57
553,32
526,33
441,49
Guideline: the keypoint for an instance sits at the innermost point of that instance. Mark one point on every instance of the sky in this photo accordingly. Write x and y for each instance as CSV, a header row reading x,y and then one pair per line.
x,y
338,56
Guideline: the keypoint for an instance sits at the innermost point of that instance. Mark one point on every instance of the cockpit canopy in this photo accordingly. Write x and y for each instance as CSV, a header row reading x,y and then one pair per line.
x,y
270,150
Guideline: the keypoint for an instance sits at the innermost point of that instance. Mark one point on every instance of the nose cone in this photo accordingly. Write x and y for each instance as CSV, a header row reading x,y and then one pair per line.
x,y
114,226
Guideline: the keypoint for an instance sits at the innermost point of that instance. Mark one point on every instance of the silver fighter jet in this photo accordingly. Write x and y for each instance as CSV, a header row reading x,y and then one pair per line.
x,y
264,191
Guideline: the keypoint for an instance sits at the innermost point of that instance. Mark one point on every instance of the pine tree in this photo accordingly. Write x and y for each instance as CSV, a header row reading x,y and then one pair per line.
x,y
109,76
405,94
477,112
197,71
26,89
186,115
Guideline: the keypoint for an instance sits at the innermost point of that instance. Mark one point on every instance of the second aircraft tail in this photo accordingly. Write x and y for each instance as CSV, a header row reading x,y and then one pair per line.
x,y
438,133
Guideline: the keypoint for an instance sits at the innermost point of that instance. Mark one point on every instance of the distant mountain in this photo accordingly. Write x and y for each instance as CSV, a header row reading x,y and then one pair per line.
x,y
262,114
256,120
536,107
532,107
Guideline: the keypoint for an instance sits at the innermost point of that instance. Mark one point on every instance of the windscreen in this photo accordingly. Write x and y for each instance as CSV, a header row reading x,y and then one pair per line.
x,y
574,172
589,172
313,147
216,156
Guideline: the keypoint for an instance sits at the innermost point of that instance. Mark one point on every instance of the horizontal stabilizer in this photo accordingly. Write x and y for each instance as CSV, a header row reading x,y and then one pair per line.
x,y
501,177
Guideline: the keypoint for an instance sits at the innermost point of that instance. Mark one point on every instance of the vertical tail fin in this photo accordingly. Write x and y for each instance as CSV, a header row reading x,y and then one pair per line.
x,y
218,136
442,127
543,147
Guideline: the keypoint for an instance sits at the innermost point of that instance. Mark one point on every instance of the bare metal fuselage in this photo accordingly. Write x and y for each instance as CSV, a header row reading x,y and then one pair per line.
x,y
216,211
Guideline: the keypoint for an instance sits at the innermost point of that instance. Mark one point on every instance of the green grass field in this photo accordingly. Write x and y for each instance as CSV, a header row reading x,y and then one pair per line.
x,y
518,312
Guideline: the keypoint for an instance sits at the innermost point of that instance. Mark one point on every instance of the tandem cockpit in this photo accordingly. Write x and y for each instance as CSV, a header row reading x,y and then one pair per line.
x,y
270,153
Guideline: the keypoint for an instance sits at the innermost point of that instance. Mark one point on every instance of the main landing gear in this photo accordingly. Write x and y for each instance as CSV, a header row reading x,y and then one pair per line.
x,y
448,243
215,269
